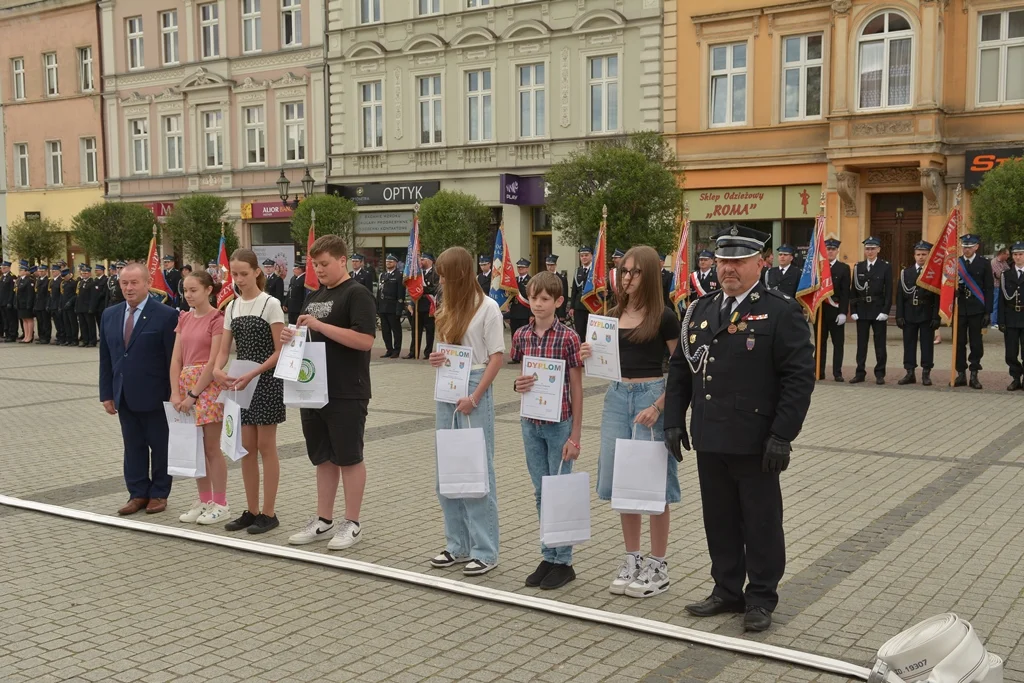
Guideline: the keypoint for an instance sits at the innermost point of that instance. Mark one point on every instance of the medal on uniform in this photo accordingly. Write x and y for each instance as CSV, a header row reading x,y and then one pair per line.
x,y
750,343
732,322
693,338
703,324
742,327
731,329
755,296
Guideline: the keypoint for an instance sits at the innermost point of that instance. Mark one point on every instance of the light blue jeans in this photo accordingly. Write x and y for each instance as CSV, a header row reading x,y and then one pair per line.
x,y
543,444
622,404
471,524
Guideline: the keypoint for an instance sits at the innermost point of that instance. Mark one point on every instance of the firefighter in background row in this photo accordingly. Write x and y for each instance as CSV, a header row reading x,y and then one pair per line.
x,y
973,307
917,314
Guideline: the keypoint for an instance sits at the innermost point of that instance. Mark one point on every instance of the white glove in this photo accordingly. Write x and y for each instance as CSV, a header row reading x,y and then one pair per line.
x,y
855,317
841,319
882,317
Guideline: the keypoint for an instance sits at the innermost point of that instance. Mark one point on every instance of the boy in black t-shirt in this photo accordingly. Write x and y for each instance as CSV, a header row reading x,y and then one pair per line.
x,y
341,313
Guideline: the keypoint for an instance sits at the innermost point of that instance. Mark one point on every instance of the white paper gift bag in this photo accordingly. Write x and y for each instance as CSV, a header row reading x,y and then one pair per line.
x,y
186,456
462,462
231,430
310,390
640,476
565,509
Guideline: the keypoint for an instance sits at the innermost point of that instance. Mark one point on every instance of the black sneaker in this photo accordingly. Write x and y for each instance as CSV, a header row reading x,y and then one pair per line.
x,y
262,524
534,579
559,575
243,522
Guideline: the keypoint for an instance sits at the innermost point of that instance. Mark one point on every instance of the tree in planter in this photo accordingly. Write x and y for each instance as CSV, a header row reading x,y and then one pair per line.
x,y
334,216
40,241
998,204
195,223
635,178
114,230
450,219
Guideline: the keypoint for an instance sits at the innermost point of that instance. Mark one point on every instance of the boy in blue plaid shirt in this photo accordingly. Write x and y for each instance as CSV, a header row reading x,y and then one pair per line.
x,y
550,446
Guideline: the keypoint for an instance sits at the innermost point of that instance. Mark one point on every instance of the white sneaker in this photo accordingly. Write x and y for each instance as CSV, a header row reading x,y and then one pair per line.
x,y
196,511
214,514
312,532
628,572
652,580
348,535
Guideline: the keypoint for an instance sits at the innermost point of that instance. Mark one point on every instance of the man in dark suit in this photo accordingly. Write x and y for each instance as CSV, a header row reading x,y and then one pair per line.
x,y
135,361
363,274
551,264
580,313
917,314
1010,314
784,277
390,295
424,318
297,291
834,311
758,347
519,313
973,308
869,308
275,283
483,278
172,277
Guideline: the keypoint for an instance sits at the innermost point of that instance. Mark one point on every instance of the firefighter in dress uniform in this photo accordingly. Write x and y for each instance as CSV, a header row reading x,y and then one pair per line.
x,y
704,280
101,289
53,304
173,278
275,283
186,270
483,278
8,307
83,307
114,294
580,313
973,309
363,274
551,264
917,314
834,311
784,277
1010,314
744,371
390,295
666,283
425,320
869,308
41,307
297,291
26,300
68,302
519,313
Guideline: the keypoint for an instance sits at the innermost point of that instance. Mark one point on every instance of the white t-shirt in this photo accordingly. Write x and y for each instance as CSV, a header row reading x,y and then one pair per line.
x,y
486,332
264,305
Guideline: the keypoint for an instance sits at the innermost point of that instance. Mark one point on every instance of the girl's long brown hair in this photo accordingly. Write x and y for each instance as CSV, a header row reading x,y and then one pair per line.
x,y
248,256
461,294
648,300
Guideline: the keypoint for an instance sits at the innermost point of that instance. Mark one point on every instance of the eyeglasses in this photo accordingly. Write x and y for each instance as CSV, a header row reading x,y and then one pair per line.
x,y
623,272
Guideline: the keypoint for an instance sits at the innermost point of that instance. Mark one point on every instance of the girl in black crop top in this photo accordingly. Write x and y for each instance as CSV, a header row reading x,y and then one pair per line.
x,y
634,405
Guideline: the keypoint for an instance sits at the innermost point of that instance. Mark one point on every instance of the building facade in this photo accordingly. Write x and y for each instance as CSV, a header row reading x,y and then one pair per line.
x,y
481,96
885,105
215,97
54,165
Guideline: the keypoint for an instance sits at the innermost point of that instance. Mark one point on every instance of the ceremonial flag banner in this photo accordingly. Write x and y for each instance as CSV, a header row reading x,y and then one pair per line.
x,y
227,286
312,283
940,273
816,281
594,291
413,273
503,274
157,283
681,272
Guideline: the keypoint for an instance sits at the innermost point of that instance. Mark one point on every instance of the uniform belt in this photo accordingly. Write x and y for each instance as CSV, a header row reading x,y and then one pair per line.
x,y
867,299
942,648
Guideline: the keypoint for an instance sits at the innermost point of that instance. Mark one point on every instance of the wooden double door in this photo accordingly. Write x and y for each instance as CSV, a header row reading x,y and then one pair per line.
x,y
896,220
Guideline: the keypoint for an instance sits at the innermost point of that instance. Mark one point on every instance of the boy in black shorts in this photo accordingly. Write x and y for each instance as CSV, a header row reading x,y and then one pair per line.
x,y
341,313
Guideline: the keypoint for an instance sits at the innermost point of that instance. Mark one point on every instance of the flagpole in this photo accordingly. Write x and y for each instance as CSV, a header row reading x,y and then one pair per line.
x,y
416,302
956,290
607,279
686,273
818,370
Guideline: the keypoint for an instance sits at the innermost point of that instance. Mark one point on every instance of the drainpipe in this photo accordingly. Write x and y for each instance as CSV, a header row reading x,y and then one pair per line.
x,y
102,137
327,98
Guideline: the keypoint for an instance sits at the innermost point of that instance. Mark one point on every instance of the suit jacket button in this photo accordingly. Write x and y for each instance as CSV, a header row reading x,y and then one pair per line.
x,y
125,354
708,397
714,341
711,360
709,378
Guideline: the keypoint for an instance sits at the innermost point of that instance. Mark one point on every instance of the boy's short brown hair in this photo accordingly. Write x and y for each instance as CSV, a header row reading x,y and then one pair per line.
x,y
332,244
545,282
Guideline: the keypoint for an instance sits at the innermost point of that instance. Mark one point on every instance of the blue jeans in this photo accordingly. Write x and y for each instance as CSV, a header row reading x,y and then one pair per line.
x,y
471,524
543,444
622,404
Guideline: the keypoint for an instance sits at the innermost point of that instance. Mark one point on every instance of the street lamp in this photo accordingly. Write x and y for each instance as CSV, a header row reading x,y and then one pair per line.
x,y
282,189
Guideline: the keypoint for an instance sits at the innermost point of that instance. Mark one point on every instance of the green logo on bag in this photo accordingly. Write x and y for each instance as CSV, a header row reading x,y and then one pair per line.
x,y
229,425
307,372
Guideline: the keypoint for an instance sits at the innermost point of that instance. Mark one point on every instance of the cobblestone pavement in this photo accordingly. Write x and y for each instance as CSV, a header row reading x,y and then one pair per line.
x,y
902,502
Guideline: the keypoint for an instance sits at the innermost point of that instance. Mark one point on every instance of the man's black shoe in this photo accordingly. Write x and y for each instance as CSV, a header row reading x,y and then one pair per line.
x,y
926,377
839,378
857,379
534,579
559,575
961,380
880,380
386,355
714,605
1014,385
974,383
909,378
757,619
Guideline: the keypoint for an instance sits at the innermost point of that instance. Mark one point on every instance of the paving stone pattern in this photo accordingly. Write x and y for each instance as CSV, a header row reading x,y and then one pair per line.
x,y
902,502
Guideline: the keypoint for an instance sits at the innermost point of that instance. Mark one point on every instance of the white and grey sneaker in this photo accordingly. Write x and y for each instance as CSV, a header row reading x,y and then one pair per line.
x,y
628,572
215,514
315,531
652,580
195,512
445,559
477,568
346,537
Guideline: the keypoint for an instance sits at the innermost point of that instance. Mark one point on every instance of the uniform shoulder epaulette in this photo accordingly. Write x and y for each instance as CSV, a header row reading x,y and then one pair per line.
x,y
711,293
779,295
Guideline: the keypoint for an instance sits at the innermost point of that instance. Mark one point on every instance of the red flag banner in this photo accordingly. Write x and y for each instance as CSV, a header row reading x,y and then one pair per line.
x,y
312,284
939,274
816,281
227,285
157,283
413,273
595,290
681,269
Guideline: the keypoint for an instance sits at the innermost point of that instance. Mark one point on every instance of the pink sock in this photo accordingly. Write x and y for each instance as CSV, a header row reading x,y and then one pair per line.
x,y
220,498
206,496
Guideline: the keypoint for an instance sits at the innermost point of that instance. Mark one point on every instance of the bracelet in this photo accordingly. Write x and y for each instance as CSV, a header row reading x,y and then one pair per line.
x,y
656,407
473,401
189,392
573,444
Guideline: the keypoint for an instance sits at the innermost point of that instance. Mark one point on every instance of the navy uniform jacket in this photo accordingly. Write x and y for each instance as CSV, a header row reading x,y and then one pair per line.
x,y
390,292
915,304
297,293
517,311
980,269
7,290
1010,300
114,294
26,293
709,282
83,295
562,310
872,292
68,294
366,277
42,302
146,360
54,301
275,287
787,284
579,281
98,295
756,381
430,282
841,287
172,277
666,286
484,280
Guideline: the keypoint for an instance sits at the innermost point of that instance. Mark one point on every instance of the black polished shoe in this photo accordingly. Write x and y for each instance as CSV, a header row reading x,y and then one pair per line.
x,y
880,380
857,379
534,579
386,355
926,378
974,383
757,619
1014,385
559,575
714,605
909,378
408,356
961,380
839,378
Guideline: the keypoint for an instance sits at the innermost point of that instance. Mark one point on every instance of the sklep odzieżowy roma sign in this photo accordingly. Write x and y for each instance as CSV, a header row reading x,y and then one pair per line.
x,y
732,204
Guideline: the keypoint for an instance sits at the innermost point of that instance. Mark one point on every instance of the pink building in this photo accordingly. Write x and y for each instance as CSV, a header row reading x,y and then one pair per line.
x,y
216,97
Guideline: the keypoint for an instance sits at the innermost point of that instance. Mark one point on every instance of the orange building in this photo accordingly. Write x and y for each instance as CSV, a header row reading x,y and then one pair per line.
x,y
886,105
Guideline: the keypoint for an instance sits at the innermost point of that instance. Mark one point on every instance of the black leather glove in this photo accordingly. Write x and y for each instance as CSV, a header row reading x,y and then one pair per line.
x,y
1002,328
936,324
900,322
776,455
673,437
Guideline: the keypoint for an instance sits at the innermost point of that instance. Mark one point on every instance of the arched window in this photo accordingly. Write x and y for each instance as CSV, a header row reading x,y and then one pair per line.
x,y
885,62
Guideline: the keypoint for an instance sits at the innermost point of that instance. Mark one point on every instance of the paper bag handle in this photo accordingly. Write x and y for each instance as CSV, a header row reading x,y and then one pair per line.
x,y
634,431
455,414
